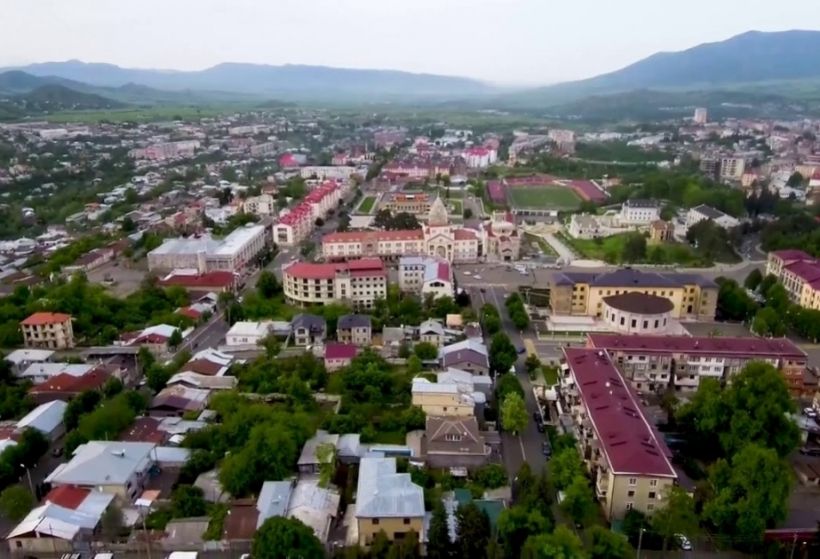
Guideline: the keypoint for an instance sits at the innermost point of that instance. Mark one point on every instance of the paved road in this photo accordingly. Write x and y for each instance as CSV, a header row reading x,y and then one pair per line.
x,y
525,447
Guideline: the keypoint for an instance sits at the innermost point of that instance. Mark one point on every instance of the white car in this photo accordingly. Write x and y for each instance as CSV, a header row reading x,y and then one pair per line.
x,y
810,412
477,277
683,542
467,272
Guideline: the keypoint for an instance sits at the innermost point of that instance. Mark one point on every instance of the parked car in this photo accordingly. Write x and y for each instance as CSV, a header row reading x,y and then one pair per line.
x,y
810,450
683,542
810,412
546,449
540,427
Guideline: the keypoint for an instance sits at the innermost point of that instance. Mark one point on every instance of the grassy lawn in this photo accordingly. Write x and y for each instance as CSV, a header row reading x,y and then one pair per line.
x,y
140,114
456,207
367,205
610,249
543,245
550,375
552,197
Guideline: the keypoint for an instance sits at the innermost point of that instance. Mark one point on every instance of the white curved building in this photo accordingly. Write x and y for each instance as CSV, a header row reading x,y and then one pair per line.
x,y
637,313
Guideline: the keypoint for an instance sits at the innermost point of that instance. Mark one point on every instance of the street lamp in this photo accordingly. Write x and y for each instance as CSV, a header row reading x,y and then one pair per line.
x,y
30,484
640,541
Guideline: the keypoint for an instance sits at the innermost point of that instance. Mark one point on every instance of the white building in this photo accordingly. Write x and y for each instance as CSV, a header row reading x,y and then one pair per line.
x,y
247,333
425,275
327,172
732,168
701,115
357,282
205,254
46,418
699,213
639,212
264,204
479,157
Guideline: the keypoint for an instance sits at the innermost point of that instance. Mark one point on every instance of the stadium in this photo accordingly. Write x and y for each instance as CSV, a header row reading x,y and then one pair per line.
x,y
543,194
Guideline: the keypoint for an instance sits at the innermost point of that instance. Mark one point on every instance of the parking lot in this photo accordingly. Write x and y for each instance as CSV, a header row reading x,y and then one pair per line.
x,y
120,278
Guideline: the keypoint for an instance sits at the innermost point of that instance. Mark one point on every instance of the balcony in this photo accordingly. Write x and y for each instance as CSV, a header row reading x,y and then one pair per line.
x,y
601,486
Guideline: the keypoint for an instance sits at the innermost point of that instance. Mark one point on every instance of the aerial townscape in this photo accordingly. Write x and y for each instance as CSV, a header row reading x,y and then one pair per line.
x,y
272,312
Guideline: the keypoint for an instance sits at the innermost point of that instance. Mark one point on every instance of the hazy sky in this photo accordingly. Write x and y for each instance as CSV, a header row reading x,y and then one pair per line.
x,y
505,41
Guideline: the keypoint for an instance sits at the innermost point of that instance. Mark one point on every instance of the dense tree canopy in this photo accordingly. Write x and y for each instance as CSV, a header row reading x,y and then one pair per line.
x,y
502,353
285,538
514,416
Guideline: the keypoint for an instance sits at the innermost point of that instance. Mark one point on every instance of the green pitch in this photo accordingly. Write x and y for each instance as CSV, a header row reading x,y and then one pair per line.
x,y
543,197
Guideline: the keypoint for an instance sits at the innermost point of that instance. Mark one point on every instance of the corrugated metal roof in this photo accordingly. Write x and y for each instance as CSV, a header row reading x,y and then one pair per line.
x,y
384,493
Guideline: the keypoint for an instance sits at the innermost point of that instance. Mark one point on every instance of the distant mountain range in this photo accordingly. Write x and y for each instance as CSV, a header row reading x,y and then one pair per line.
x,y
754,68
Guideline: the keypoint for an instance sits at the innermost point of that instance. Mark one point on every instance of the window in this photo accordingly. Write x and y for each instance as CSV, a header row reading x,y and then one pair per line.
x,y
406,521
452,437
633,481
629,506
634,323
653,483
375,522
650,506
630,493
651,494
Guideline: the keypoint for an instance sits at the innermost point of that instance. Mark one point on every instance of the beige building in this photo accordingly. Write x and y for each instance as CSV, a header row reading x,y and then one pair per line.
x,y
48,330
583,293
358,282
416,203
800,275
629,463
387,501
661,231
441,399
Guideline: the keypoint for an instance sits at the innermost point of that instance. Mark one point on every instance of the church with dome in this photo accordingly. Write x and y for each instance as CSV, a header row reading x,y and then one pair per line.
x,y
496,240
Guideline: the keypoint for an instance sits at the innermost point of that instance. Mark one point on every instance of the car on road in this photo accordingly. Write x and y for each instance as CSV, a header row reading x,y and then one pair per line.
x,y
467,273
477,277
546,449
810,412
683,542
536,416
521,350
540,427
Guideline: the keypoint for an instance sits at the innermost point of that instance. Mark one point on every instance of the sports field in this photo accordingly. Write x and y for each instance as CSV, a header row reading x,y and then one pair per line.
x,y
543,197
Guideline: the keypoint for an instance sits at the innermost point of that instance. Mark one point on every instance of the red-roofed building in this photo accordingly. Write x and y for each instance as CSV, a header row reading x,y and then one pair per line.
x,y
65,386
204,283
480,157
339,355
357,282
295,226
629,462
651,363
799,273
67,496
49,330
288,161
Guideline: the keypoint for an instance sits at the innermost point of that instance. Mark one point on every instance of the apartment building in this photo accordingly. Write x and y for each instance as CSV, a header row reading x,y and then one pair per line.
x,y
206,254
442,398
264,204
799,273
582,293
295,226
699,213
732,168
358,282
48,330
425,275
655,363
168,150
327,172
479,157
629,463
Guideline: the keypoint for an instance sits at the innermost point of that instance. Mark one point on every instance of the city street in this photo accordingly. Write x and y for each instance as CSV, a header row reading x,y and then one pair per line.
x,y
526,447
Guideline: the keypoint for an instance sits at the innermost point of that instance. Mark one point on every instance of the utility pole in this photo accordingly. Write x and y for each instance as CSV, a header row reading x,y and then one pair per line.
x,y
30,484
794,547
640,541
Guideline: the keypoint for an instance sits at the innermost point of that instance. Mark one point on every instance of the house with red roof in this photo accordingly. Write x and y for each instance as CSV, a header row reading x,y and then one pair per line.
x,y
339,355
357,282
66,386
799,273
631,465
48,330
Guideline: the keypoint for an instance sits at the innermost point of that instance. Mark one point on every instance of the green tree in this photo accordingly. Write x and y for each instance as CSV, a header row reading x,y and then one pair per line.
x,y
677,516
795,179
502,353
578,501
748,493
270,453
473,531
468,213
267,285
565,466
507,384
514,416
439,545
516,524
326,454
406,547
634,248
753,280
606,544
187,501
733,302
414,365
560,544
16,502
285,538
425,351
112,522
532,364
175,339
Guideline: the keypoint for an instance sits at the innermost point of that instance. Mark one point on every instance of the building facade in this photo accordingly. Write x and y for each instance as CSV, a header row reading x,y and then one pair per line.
x,y
582,294
800,275
639,212
48,330
357,282
205,254
416,203
657,363
629,462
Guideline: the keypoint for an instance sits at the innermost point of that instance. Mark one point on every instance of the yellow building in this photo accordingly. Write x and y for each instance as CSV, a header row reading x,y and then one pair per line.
x,y
800,275
438,398
387,501
582,293
629,463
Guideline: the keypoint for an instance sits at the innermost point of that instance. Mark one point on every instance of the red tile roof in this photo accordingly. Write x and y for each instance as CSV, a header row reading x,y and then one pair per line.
x,y
209,279
65,383
792,254
630,444
190,313
41,318
737,347
340,351
373,236
807,270
144,429
68,496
